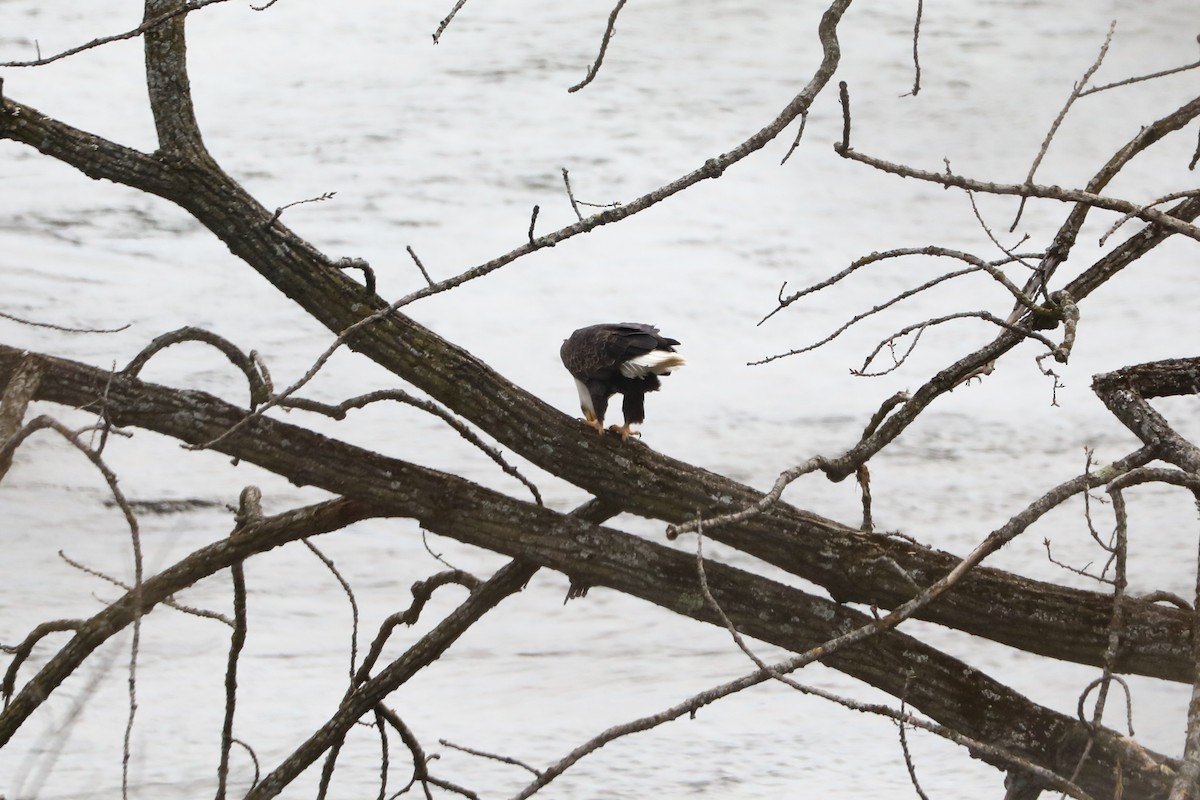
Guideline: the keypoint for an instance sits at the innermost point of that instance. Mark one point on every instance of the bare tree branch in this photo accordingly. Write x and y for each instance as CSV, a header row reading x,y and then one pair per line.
x,y
445,23
1081,196
608,33
18,391
63,328
1087,75
148,24
851,567
259,390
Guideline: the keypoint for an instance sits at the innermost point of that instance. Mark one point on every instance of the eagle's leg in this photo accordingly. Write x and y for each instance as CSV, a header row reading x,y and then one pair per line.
x,y
633,405
594,400
590,419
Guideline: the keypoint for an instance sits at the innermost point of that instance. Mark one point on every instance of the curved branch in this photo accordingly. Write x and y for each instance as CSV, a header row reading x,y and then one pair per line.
x,y
422,591
22,651
977,264
924,325
399,395
608,33
259,390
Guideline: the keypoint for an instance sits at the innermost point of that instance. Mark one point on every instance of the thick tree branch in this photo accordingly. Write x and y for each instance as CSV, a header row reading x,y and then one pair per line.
x,y
94,156
15,394
167,80
1126,391
948,691
1035,616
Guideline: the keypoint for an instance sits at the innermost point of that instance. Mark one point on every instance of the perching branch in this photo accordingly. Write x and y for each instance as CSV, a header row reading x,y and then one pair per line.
x,y
849,565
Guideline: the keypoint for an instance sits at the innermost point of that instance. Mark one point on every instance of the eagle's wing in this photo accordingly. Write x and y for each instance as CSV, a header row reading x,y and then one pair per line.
x,y
630,340
601,349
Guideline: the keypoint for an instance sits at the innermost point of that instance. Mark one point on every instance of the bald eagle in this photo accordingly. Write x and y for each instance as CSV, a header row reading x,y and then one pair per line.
x,y
625,358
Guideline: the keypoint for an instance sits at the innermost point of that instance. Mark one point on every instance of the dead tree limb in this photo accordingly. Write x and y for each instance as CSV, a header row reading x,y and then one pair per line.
x,y
948,691
881,571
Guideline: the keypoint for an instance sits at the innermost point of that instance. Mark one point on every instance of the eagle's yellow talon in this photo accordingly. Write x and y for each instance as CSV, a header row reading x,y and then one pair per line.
x,y
625,431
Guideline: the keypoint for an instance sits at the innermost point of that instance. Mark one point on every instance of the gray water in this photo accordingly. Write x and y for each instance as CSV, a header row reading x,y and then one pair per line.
x,y
447,149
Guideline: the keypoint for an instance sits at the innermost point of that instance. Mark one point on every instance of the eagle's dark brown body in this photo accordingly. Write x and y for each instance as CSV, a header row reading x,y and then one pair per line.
x,y
625,358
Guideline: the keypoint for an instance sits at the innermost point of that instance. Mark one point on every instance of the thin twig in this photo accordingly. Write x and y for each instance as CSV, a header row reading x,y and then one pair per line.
x,y
571,194
908,762
186,8
280,209
437,35
236,642
349,592
796,141
1062,194
844,98
169,603
492,756
1140,78
1075,94
420,266
915,89
63,328
253,759
532,222
1006,250
1130,215
399,395
419,760
920,327
976,263
385,760
608,34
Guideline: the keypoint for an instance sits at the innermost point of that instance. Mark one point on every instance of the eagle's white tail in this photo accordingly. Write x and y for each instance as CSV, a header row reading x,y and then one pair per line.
x,y
656,362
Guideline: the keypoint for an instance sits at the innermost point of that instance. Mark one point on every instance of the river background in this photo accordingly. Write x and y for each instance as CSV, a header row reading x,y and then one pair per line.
x,y
447,148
